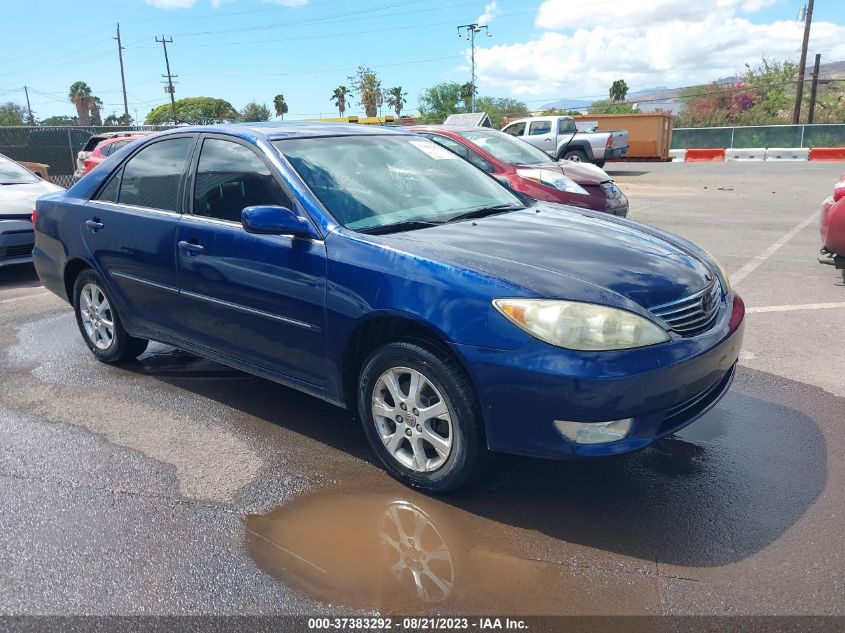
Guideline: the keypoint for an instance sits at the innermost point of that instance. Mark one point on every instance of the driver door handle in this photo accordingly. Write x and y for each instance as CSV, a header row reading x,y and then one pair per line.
x,y
95,224
191,248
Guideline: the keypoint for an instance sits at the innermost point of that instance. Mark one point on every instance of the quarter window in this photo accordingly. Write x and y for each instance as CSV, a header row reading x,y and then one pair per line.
x,y
110,192
231,177
540,127
152,177
517,129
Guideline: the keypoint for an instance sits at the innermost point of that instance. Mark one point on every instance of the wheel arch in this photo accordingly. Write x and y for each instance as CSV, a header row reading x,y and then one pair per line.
x,y
72,270
384,328
582,145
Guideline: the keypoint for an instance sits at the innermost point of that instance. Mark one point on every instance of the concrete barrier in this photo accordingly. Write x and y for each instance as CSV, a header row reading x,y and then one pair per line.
x,y
744,153
677,155
712,154
827,153
787,153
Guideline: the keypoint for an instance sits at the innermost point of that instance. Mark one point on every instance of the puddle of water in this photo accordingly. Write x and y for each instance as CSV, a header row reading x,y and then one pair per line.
x,y
401,552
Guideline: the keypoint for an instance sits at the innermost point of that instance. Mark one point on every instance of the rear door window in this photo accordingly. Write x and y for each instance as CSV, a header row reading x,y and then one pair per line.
x,y
152,178
539,127
462,151
231,177
517,129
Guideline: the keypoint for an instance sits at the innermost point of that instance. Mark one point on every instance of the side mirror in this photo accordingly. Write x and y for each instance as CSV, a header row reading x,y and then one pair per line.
x,y
273,220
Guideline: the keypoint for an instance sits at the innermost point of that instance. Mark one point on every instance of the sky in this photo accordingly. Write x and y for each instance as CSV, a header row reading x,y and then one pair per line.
x,y
538,51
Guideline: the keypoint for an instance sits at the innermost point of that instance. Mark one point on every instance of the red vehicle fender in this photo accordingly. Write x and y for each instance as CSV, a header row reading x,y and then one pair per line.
x,y
834,236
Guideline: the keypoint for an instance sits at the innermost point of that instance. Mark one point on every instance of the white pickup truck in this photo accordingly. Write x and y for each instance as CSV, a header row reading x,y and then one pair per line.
x,y
559,137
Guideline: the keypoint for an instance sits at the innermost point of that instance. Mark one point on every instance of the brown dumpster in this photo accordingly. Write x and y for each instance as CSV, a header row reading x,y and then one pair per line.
x,y
40,169
649,135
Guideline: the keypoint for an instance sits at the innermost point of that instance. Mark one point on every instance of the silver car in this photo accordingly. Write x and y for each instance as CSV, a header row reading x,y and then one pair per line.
x,y
19,188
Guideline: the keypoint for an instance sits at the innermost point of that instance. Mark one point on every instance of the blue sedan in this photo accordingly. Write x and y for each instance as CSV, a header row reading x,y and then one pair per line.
x,y
376,270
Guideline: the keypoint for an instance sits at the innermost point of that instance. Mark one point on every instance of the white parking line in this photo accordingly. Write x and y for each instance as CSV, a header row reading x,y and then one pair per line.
x,y
31,295
751,266
802,306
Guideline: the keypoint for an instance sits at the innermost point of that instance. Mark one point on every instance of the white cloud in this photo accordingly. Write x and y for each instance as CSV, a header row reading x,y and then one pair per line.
x,y
584,62
565,14
170,4
288,3
491,10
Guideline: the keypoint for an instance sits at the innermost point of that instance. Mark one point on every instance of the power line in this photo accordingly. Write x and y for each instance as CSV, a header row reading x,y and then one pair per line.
x,y
471,30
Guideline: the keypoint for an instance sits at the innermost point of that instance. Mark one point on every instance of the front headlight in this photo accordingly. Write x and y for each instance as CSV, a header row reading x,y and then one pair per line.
x,y
726,282
581,326
554,179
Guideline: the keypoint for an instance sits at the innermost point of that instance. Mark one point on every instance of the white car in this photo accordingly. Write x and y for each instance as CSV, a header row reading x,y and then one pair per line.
x,y
19,188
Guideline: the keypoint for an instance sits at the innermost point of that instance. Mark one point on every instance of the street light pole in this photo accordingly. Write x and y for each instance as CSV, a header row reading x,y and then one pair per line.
x,y
471,30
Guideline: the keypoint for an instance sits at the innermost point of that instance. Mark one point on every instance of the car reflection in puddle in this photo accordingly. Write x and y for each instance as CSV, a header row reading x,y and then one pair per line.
x,y
401,552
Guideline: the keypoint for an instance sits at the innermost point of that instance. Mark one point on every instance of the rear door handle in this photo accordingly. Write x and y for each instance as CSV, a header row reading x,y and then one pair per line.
x,y
191,248
95,224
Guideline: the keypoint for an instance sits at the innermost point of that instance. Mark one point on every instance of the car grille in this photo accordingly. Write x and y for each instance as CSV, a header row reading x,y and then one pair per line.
x,y
694,314
14,252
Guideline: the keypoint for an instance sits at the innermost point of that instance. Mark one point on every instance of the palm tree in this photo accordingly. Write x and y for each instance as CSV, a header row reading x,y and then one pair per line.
x,y
339,99
80,96
618,90
96,106
467,92
396,99
280,105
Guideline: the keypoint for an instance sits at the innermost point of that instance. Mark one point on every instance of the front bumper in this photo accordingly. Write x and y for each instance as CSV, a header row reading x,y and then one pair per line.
x,y
16,242
663,388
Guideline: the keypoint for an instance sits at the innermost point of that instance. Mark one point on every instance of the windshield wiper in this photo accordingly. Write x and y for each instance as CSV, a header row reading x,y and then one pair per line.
x,y
411,225
484,211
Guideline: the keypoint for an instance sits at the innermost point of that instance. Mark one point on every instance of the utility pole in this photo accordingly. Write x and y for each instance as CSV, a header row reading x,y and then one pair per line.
x,y
471,30
31,120
169,87
799,89
122,78
813,87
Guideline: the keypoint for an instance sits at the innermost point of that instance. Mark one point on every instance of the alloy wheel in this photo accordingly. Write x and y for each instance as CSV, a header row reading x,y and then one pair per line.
x,y
97,317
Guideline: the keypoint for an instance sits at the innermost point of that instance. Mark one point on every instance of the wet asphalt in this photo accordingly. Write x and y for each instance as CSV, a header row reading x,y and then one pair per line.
x,y
177,486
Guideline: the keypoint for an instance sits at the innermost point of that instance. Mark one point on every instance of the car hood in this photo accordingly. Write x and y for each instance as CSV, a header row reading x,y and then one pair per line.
x,y
548,249
17,200
582,173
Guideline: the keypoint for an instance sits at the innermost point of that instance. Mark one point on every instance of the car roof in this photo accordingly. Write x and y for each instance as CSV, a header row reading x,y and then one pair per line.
x,y
454,128
274,130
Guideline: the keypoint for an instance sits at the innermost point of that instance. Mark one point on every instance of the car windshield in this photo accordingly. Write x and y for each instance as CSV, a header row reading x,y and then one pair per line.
x,y
13,174
506,148
402,181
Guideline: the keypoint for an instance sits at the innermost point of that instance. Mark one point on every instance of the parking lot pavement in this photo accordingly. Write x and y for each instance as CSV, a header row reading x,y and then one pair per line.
x,y
174,485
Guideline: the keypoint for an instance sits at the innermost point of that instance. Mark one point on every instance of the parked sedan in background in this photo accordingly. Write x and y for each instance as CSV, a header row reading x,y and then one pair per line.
x,y
530,171
106,148
19,189
832,228
380,272
92,143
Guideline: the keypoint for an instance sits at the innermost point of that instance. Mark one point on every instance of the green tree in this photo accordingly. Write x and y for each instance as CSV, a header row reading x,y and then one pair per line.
x,y
280,105
439,101
560,112
611,107
367,85
11,114
60,120
194,111
468,91
618,90
396,99
255,112
113,119
80,95
338,98
501,109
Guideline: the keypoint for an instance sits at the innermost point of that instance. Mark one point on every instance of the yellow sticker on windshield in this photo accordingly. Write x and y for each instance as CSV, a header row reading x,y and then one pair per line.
x,y
434,150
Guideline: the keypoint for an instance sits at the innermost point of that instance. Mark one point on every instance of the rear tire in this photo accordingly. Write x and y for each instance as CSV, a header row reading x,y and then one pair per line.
x,y
430,434
575,155
99,322
600,164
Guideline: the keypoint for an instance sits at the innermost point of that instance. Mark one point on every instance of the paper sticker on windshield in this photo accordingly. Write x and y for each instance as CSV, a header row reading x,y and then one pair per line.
x,y
434,150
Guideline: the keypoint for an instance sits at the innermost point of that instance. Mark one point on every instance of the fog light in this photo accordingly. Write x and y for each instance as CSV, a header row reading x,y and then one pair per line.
x,y
594,432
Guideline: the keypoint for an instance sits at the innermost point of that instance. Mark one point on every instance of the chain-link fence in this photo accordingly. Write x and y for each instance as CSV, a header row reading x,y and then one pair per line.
x,y
821,135
56,147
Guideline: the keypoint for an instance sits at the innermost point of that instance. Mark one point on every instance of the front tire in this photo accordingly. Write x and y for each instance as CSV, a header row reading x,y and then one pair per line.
x,y
421,417
99,323
576,156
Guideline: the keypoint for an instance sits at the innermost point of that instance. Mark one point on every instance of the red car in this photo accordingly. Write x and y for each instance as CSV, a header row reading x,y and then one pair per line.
x,y
529,170
106,149
832,228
